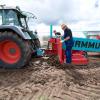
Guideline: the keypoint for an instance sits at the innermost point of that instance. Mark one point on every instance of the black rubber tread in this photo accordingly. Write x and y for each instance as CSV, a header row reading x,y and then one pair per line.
x,y
29,52
24,46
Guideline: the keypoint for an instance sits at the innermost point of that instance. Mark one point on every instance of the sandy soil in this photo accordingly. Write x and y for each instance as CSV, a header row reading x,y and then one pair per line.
x,y
43,81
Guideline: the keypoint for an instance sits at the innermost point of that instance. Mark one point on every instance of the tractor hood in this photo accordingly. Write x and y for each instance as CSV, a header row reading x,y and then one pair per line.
x,y
19,30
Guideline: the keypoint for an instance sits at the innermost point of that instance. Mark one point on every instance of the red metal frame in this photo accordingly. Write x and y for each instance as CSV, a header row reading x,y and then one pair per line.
x,y
78,57
52,48
98,37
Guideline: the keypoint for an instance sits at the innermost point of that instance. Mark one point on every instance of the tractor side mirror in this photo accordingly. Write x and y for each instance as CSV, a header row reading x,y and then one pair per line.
x,y
31,32
36,32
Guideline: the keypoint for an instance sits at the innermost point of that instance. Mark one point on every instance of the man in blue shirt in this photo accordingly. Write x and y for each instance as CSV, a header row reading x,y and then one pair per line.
x,y
68,39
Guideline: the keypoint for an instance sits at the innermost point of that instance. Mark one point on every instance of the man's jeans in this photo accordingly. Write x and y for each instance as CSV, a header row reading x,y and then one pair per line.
x,y
68,54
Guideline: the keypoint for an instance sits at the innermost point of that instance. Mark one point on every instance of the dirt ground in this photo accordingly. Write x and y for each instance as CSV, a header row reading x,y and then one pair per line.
x,y
43,81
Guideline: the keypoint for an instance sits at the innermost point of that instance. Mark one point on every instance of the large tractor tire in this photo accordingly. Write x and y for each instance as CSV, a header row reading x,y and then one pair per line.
x,y
14,51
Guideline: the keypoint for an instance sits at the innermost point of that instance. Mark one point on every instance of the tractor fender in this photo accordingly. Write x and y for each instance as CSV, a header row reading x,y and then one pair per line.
x,y
16,29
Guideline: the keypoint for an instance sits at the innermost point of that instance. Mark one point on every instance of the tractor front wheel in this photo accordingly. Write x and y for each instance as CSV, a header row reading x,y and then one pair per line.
x,y
14,51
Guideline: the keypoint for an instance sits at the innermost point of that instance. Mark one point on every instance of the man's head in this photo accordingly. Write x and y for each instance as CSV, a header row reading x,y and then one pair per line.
x,y
54,31
63,26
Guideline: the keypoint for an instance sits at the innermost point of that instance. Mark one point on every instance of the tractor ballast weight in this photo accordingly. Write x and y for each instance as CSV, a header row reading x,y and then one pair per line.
x,y
17,42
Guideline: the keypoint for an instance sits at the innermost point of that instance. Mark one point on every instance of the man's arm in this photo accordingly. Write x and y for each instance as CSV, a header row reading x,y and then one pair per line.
x,y
67,38
67,35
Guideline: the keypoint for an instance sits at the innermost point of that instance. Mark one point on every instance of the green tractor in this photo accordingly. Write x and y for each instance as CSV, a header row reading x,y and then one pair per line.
x,y
17,42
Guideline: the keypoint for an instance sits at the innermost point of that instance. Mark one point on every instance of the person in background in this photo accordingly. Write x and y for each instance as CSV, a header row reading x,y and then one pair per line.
x,y
57,34
68,39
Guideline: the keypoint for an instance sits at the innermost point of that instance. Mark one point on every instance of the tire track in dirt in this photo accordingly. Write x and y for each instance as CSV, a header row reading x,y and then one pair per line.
x,y
85,93
42,81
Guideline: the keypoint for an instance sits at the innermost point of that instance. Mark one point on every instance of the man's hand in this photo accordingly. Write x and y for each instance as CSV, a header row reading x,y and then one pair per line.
x,y
62,41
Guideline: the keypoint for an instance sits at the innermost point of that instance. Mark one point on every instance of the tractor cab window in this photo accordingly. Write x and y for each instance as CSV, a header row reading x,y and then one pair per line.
x,y
0,18
10,18
23,22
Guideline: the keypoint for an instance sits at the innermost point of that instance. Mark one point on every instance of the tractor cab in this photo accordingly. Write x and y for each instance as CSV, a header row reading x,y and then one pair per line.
x,y
17,42
13,16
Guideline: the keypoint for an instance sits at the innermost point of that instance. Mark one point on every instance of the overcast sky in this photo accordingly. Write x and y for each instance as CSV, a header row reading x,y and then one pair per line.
x,y
59,11
73,12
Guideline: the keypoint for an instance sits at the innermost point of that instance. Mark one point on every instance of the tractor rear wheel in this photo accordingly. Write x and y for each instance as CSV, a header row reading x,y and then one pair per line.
x,y
14,51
